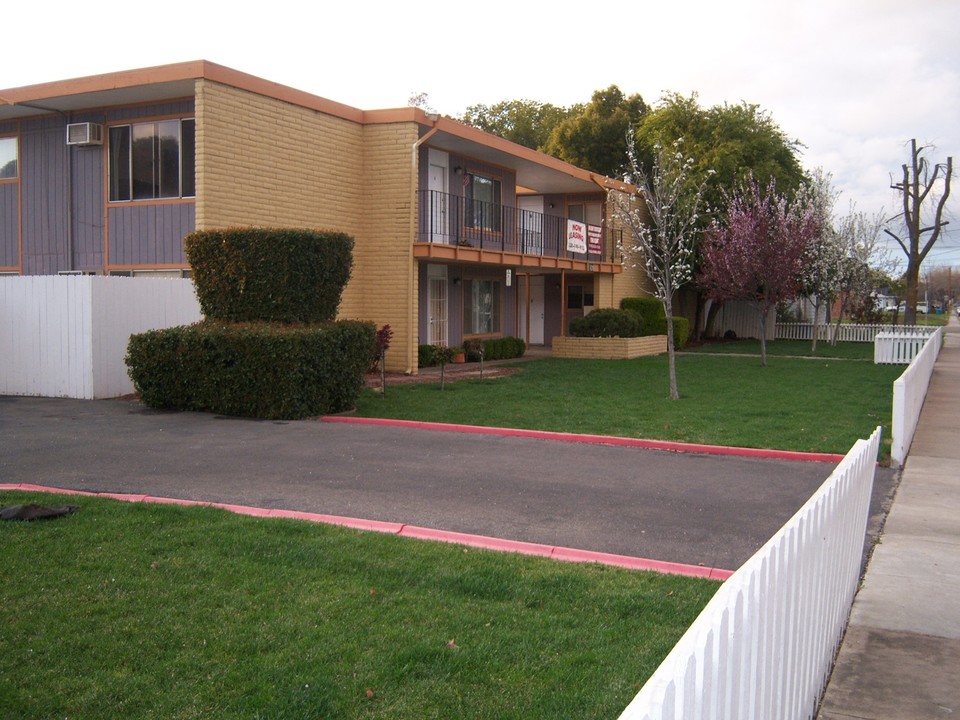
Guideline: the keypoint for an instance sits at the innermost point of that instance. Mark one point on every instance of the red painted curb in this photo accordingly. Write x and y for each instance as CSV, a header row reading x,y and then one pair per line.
x,y
594,439
414,532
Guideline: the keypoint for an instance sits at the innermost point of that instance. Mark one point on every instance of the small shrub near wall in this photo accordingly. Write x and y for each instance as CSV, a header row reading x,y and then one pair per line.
x,y
261,370
608,322
655,320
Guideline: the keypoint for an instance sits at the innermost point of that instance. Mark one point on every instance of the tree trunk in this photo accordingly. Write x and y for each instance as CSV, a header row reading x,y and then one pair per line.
x,y
816,324
764,311
671,356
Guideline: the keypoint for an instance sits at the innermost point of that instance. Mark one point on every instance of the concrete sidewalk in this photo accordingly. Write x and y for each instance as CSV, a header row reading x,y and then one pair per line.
x,y
900,658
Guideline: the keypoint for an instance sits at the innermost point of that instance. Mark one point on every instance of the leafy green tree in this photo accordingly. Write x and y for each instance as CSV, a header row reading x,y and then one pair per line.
x,y
595,138
525,122
733,145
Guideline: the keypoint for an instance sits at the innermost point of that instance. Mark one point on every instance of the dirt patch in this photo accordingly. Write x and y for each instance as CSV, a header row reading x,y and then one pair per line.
x,y
372,380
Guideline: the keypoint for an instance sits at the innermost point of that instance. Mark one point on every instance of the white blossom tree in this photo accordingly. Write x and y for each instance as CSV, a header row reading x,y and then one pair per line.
x,y
859,235
823,259
660,214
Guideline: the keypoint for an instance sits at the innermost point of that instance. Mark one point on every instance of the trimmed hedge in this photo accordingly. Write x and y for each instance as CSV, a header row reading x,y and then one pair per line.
x,y
257,370
504,348
648,308
608,322
681,330
275,274
655,319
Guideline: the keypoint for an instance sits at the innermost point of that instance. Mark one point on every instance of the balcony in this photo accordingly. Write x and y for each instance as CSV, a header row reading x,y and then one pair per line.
x,y
454,228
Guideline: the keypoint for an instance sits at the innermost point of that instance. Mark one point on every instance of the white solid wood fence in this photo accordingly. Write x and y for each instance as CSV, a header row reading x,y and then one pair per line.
x,y
909,392
764,645
66,336
847,332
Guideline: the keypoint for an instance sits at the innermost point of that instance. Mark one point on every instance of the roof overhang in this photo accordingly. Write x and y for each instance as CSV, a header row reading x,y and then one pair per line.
x,y
536,172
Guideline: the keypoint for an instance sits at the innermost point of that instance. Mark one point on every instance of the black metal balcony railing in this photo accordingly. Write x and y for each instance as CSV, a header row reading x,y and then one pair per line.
x,y
453,220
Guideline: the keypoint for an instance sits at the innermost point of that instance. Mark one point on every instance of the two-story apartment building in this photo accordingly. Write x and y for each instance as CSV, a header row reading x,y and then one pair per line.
x,y
459,233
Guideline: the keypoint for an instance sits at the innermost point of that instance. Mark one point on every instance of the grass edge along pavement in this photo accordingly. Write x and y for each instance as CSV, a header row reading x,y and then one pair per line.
x,y
169,611
809,405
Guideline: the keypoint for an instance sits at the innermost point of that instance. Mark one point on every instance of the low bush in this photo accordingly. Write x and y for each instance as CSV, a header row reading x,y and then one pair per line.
x,y
681,330
427,355
263,370
648,308
504,348
272,274
608,322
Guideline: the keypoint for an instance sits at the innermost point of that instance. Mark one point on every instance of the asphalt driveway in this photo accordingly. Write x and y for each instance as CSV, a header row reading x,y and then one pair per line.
x,y
694,509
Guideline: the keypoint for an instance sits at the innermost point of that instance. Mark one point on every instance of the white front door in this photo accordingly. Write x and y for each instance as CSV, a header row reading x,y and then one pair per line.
x,y
437,198
437,305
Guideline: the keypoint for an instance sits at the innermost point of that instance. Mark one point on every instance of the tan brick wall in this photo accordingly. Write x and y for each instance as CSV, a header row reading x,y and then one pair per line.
x,y
264,162
384,260
608,348
269,163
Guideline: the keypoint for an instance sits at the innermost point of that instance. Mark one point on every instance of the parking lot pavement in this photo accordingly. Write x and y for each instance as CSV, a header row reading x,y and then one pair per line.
x,y
685,508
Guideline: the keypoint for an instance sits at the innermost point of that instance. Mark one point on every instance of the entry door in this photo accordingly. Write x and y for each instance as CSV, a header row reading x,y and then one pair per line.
x,y
438,198
536,310
437,304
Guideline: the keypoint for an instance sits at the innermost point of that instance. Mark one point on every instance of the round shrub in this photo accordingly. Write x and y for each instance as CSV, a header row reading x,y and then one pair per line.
x,y
607,322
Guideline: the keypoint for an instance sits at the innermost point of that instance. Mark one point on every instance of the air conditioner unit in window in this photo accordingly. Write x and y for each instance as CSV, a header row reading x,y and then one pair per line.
x,y
84,133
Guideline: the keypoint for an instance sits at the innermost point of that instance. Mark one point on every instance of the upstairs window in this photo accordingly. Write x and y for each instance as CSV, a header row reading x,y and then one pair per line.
x,y
8,158
152,160
483,202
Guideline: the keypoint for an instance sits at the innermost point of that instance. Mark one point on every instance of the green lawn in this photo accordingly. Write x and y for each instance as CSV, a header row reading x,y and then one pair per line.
x,y
821,405
139,611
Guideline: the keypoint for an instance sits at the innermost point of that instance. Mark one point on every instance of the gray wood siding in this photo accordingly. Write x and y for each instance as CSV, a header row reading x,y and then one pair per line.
x,y
9,254
88,187
149,234
43,182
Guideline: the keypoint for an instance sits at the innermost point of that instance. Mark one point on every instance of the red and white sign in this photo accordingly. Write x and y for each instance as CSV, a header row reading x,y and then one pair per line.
x,y
576,236
594,239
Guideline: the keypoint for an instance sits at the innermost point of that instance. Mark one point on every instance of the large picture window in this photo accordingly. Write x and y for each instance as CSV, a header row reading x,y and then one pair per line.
x,y
483,202
152,160
8,158
481,307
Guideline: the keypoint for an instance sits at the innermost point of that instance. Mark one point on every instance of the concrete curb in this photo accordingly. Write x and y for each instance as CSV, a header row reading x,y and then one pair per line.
x,y
765,454
412,531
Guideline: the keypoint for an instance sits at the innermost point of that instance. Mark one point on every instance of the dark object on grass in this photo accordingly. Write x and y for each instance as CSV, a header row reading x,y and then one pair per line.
x,y
32,511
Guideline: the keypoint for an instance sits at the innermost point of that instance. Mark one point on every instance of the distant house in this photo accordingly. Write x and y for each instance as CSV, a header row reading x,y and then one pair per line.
x,y
459,234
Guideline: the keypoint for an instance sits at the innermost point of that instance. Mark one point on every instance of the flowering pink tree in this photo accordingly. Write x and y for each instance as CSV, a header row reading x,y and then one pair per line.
x,y
756,252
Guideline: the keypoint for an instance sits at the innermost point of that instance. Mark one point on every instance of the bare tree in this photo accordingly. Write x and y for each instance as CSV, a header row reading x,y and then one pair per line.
x,y
918,182
664,246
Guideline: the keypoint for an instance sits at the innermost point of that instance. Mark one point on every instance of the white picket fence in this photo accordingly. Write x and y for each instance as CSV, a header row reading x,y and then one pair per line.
x,y
897,348
764,645
66,336
909,392
846,333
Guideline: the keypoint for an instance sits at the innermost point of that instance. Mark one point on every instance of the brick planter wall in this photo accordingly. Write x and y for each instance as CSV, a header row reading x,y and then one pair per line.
x,y
608,348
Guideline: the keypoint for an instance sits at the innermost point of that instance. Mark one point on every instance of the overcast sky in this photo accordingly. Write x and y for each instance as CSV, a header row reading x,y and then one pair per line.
x,y
853,80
